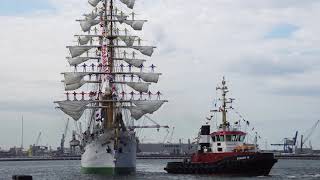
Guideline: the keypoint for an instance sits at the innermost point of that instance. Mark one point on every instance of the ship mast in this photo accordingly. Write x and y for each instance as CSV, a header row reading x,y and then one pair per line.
x,y
109,120
225,101
107,102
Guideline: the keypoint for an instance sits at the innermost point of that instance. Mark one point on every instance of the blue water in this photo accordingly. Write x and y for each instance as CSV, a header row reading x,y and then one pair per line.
x,y
148,169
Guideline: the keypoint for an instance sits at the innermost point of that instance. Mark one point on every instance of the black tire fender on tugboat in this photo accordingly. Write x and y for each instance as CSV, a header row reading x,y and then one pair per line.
x,y
193,168
186,167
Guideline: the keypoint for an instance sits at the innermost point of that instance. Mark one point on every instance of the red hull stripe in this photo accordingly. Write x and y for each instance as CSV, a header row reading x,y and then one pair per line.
x,y
214,157
228,133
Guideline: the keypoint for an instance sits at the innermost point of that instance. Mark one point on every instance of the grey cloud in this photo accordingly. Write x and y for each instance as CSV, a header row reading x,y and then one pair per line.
x,y
265,68
32,106
305,91
262,66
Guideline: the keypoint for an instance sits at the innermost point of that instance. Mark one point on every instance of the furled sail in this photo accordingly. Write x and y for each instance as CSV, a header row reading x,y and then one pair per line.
x,y
135,24
74,109
91,15
136,112
76,51
149,77
135,62
144,107
128,40
74,77
77,60
83,40
75,86
94,3
139,86
149,106
129,3
88,23
145,50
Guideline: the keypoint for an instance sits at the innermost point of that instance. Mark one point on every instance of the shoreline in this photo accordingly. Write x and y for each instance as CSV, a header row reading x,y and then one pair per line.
x,y
73,158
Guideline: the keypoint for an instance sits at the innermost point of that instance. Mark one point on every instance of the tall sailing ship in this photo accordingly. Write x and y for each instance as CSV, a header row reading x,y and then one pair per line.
x,y
109,86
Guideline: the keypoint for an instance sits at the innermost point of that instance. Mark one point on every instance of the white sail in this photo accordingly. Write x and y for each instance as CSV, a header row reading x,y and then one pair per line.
x,y
134,62
136,112
129,3
74,109
77,60
135,24
149,77
76,51
139,86
94,3
128,40
74,77
75,86
75,115
145,50
87,24
149,106
83,40
91,15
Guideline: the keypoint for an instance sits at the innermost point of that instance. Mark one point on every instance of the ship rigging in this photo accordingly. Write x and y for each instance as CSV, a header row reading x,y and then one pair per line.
x,y
114,86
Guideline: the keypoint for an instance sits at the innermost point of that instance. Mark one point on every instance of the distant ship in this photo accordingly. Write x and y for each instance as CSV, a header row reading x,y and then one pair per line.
x,y
112,84
224,152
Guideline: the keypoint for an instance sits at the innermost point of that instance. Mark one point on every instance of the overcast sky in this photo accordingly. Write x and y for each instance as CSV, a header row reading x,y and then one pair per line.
x,y
267,49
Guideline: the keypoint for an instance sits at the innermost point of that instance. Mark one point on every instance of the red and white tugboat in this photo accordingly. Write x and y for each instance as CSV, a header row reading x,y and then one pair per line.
x,y
224,152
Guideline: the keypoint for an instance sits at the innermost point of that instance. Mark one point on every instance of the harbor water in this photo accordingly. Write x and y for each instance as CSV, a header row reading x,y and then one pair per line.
x,y
149,170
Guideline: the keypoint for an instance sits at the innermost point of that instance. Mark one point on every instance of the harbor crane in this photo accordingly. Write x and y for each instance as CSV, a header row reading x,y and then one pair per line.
x,y
171,136
165,138
63,137
288,143
307,137
38,139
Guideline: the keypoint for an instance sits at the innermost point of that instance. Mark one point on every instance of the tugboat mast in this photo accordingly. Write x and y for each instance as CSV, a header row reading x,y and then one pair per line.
x,y
225,102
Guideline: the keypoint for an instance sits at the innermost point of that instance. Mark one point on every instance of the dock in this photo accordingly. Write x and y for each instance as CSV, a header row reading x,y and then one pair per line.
x,y
298,157
75,158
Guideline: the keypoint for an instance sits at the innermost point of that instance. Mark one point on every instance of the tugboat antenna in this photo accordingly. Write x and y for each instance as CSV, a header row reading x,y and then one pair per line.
x,y
225,101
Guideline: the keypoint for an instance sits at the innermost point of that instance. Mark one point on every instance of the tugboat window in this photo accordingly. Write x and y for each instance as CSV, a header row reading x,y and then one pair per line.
x,y
214,138
234,138
228,137
238,137
222,138
242,138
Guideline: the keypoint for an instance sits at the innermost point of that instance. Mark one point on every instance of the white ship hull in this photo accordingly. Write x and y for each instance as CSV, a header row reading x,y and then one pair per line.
x,y
101,158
